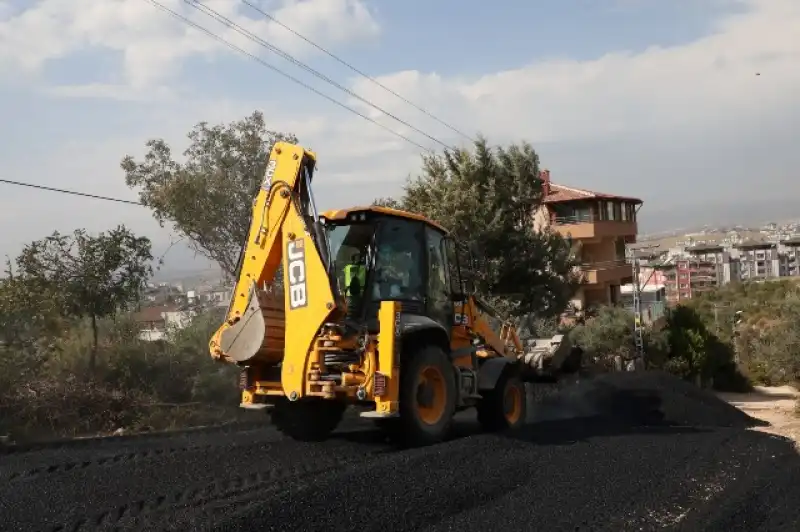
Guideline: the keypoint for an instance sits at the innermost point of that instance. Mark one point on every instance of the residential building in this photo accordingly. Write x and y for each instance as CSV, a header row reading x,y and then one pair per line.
x,y
154,322
687,277
758,260
725,269
601,225
789,255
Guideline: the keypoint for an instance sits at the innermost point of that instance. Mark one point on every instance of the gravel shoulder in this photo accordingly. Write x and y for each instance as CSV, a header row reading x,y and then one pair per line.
x,y
776,405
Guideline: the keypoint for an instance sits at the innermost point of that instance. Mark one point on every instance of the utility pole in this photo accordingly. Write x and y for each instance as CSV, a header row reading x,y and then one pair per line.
x,y
638,335
716,318
638,329
737,321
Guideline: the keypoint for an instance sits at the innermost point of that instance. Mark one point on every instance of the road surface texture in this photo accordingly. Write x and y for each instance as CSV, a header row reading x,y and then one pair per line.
x,y
619,452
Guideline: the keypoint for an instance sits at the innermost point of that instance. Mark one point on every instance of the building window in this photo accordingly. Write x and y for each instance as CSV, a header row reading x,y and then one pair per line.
x,y
571,214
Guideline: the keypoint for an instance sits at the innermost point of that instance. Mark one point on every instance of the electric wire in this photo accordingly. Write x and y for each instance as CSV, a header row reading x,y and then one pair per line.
x,y
216,15
354,69
70,192
282,73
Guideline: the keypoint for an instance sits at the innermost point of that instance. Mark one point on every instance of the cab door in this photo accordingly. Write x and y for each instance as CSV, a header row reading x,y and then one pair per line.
x,y
439,303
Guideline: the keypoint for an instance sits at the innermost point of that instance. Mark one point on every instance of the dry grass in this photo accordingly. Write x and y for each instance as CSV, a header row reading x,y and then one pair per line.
x,y
51,393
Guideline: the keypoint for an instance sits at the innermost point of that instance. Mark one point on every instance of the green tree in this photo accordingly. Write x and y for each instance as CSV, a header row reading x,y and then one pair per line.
x,y
28,312
88,276
487,198
209,197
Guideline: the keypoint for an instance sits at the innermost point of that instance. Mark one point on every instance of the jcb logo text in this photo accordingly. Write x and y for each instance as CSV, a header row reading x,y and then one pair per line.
x,y
296,273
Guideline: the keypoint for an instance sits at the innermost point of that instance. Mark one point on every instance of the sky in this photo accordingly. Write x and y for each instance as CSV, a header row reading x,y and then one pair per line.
x,y
655,99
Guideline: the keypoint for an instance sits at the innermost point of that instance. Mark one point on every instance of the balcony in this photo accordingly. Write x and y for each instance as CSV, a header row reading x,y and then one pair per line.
x,y
589,226
606,272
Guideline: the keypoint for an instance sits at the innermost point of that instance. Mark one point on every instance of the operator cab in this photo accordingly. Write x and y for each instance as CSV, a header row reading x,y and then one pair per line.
x,y
381,254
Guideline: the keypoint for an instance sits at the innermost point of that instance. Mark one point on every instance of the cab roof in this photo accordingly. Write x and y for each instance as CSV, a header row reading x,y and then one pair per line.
x,y
342,214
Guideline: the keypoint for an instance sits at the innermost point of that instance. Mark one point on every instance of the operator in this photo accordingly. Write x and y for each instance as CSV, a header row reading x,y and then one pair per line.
x,y
395,272
355,275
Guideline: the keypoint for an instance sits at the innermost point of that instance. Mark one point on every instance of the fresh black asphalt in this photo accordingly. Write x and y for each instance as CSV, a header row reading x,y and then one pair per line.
x,y
620,452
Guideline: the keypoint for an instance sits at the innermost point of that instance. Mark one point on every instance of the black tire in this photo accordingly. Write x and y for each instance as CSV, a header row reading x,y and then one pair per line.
x,y
492,408
309,419
417,424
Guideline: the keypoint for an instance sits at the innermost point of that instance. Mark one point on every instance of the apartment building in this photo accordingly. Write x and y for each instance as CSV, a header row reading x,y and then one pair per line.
x,y
758,260
788,256
688,277
601,225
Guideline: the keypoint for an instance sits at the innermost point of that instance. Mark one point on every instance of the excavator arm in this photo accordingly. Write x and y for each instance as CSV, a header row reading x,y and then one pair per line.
x,y
284,230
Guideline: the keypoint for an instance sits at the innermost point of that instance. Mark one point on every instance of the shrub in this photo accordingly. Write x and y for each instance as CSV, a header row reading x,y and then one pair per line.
x,y
50,390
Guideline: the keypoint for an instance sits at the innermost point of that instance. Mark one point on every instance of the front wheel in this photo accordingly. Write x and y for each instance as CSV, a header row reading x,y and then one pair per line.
x,y
504,407
427,397
309,419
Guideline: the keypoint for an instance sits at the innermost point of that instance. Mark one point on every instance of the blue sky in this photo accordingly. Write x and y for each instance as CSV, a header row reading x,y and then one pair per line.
x,y
645,97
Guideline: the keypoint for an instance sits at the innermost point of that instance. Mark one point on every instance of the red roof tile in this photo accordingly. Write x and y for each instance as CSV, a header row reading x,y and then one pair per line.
x,y
150,314
560,193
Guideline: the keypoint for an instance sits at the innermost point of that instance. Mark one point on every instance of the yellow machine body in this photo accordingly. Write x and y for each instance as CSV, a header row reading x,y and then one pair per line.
x,y
303,354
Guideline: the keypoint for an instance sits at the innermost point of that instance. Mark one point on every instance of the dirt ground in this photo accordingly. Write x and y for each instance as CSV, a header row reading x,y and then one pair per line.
x,y
775,405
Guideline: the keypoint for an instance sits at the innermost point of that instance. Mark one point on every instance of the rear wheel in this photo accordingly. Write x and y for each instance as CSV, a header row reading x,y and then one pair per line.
x,y
309,419
427,397
505,406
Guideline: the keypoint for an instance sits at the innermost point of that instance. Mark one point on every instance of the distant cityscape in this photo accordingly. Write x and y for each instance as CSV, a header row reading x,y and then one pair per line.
x,y
677,268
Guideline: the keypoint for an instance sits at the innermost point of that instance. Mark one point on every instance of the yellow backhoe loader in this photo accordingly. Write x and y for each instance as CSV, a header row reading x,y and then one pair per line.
x,y
375,310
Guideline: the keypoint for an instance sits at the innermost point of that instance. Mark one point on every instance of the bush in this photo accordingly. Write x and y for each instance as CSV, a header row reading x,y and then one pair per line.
x,y
768,339
609,334
683,346
49,390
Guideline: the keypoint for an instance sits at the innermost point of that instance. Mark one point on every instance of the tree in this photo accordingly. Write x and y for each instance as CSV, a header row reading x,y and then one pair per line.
x,y
487,198
88,276
27,311
209,197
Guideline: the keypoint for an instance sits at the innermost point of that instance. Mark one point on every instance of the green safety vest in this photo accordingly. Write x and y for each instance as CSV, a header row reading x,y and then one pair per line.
x,y
353,271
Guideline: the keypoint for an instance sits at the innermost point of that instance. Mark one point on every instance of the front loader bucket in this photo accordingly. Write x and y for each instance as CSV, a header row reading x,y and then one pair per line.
x,y
243,340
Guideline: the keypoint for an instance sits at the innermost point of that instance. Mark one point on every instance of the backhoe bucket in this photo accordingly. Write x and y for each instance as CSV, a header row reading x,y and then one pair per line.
x,y
243,340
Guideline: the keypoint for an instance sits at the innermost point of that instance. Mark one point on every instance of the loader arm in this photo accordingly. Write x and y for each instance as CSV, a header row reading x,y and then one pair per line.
x,y
284,230
484,322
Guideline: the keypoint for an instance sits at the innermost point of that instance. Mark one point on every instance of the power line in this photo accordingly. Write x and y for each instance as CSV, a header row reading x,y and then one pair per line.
x,y
282,73
354,69
71,192
258,40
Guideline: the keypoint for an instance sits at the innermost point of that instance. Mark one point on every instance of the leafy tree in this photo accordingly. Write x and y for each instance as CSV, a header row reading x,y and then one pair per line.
x,y
487,197
609,334
88,276
28,312
209,197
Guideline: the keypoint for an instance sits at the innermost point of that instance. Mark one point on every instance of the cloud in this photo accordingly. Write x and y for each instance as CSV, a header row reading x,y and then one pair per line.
x,y
152,43
655,123
709,83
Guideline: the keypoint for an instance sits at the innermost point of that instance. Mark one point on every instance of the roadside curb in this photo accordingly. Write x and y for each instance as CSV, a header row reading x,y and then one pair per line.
x,y
14,448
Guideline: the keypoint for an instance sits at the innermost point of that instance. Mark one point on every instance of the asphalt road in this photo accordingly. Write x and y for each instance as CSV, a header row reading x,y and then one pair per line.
x,y
575,474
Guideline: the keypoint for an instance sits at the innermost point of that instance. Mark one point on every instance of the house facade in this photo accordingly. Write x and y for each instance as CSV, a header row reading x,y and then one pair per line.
x,y
601,226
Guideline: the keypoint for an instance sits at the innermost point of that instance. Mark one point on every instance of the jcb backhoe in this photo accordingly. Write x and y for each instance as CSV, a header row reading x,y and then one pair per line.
x,y
373,310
